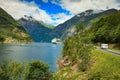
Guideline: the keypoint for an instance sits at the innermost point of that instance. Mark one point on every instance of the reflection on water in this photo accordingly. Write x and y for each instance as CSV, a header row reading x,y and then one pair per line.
x,y
46,52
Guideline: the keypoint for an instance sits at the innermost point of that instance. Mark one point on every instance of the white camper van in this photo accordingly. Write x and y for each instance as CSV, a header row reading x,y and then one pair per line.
x,y
104,46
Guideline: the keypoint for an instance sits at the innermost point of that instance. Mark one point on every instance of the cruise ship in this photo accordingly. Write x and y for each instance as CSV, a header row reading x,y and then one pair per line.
x,y
56,41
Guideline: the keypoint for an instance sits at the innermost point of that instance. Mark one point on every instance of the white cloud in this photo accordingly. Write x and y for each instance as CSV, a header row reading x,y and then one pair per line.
x,y
77,6
18,9
55,2
60,17
46,1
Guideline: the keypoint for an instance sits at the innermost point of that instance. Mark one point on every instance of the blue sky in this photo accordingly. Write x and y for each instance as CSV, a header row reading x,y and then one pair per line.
x,y
49,7
54,12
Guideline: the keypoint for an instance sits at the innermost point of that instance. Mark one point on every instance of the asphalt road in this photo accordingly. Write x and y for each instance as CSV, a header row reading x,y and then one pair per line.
x,y
112,51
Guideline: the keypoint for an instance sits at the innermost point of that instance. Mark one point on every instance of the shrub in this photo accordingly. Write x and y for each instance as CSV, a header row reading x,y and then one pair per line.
x,y
35,70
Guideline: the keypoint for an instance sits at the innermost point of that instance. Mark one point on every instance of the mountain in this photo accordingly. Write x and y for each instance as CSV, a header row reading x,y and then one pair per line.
x,y
10,30
68,27
37,30
40,32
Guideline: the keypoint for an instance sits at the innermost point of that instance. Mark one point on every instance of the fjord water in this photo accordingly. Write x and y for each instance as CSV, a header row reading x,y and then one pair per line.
x,y
47,52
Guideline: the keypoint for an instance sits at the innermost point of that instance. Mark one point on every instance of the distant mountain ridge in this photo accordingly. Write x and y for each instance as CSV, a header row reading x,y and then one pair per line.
x,y
60,31
10,30
36,29
40,33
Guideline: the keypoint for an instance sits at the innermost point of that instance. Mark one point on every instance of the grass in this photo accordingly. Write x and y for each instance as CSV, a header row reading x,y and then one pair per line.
x,y
104,66
67,74
115,49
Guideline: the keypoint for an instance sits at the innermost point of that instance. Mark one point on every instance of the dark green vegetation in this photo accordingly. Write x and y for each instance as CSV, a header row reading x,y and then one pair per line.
x,y
10,30
78,48
35,70
107,29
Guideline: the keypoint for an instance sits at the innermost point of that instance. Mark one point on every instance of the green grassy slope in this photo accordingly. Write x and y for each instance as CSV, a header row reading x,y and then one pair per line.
x,y
10,30
104,66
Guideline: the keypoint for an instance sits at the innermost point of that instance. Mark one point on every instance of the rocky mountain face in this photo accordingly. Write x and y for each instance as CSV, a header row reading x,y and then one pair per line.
x,y
35,28
10,30
68,27
40,33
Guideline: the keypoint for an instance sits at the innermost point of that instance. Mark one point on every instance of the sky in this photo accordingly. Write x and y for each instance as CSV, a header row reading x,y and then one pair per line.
x,y
54,12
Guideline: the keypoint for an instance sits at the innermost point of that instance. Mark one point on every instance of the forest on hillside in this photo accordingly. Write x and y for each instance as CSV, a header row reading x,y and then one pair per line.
x,y
107,29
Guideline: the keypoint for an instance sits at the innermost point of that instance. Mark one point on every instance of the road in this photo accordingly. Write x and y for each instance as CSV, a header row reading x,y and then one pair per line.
x,y
111,51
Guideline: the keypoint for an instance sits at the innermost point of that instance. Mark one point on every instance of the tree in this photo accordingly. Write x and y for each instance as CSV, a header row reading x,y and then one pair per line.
x,y
78,48
79,27
11,71
37,70
1,39
106,30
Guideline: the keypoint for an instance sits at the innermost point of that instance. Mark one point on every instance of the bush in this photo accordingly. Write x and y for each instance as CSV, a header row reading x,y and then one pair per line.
x,y
35,70
1,39
78,48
